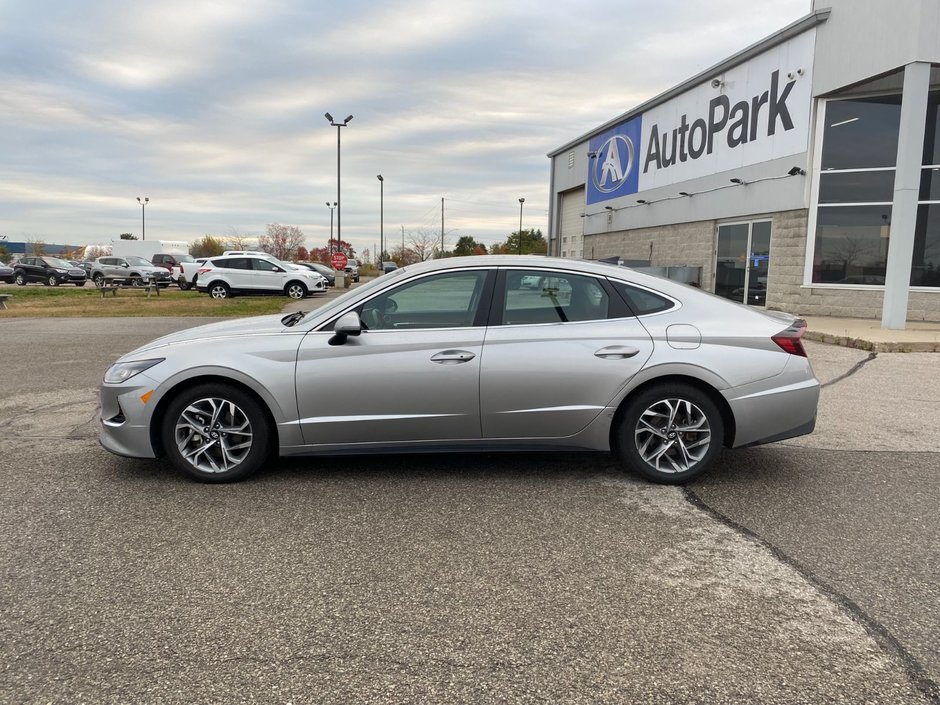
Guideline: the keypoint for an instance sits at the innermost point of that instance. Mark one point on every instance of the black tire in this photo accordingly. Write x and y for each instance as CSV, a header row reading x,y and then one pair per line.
x,y
19,279
219,290
136,280
98,279
295,290
216,452
670,454
52,280
184,286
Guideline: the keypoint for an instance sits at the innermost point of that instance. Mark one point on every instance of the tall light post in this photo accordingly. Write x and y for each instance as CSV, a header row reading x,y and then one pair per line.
x,y
331,206
143,220
521,201
339,202
381,222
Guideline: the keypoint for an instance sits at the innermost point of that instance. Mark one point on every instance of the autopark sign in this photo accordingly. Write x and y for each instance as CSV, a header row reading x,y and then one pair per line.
x,y
339,261
754,112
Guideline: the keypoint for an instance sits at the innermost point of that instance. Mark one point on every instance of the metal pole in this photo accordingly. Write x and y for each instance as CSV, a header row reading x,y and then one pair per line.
x,y
521,201
381,221
330,243
442,226
339,203
143,221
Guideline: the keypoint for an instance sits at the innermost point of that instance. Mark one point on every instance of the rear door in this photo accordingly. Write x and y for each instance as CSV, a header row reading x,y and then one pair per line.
x,y
559,348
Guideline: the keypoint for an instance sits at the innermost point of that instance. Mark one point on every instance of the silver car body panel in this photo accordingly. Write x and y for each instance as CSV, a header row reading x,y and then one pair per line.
x,y
499,387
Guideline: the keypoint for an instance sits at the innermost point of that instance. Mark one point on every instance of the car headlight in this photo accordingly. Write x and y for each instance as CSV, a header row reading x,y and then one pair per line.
x,y
62,271
123,371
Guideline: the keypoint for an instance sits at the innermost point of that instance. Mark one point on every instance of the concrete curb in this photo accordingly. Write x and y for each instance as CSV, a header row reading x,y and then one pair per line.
x,y
880,347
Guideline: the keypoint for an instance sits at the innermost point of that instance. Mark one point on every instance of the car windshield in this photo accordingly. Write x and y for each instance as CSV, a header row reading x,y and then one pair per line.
x,y
137,261
56,262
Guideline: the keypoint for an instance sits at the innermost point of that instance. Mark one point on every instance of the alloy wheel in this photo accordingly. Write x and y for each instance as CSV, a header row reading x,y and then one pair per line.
x,y
672,435
213,435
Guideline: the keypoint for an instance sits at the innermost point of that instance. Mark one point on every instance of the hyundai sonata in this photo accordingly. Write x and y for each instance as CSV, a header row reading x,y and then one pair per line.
x,y
468,354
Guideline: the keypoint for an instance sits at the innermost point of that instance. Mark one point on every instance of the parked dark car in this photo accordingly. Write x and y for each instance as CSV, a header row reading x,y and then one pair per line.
x,y
6,274
51,271
388,267
327,273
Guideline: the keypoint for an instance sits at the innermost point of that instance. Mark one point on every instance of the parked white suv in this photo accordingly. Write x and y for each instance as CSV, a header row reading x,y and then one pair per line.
x,y
249,273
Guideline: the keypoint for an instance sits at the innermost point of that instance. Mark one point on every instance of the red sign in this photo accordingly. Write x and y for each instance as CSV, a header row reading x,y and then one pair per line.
x,y
339,260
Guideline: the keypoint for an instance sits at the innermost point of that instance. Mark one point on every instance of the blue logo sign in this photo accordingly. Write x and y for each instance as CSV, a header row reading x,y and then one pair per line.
x,y
612,162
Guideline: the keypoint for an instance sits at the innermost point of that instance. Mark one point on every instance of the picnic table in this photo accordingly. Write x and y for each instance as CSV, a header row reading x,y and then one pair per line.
x,y
113,284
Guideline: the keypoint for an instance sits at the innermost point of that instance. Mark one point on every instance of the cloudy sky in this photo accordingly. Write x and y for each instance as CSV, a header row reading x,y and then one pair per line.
x,y
214,110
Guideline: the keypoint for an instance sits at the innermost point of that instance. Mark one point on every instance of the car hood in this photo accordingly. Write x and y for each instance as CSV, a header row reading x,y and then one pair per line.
x,y
259,325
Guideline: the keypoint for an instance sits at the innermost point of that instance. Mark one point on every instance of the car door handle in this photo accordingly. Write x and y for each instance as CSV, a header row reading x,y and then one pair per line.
x,y
616,352
452,357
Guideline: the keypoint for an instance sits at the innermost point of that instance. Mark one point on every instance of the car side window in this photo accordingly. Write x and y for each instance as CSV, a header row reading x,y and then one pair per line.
x,y
232,263
533,296
642,301
263,265
446,300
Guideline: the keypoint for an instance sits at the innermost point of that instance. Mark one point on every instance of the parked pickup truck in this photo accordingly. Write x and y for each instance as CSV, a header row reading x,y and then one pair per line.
x,y
182,268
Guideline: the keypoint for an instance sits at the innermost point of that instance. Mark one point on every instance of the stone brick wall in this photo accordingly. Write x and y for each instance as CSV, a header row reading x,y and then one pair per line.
x,y
693,244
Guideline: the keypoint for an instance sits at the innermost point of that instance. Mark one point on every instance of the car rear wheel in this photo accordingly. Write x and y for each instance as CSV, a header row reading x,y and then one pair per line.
x,y
295,290
670,433
20,279
52,280
216,433
184,286
98,279
219,290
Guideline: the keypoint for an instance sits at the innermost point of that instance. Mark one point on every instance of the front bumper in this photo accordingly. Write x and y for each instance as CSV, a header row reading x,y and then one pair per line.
x,y
126,418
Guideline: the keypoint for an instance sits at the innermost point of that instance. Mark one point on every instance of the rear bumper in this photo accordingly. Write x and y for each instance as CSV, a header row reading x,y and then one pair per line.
x,y
777,408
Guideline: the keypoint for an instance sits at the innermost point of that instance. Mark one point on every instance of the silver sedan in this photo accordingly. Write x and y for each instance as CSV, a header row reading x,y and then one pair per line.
x,y
495,353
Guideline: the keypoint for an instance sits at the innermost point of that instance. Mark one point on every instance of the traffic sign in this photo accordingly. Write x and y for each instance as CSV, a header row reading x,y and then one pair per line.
x,y
339,261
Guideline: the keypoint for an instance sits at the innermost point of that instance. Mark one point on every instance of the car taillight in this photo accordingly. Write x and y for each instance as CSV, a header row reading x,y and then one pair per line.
x,y
789,339
204,270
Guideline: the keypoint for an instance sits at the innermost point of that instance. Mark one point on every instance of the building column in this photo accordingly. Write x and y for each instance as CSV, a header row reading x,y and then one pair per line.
x,y
906,192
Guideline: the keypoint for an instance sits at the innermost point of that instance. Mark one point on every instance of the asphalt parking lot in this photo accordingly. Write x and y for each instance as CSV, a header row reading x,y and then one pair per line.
x,y
801,572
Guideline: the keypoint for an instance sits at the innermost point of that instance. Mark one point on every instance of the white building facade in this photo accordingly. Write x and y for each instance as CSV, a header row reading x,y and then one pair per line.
x,y
802,173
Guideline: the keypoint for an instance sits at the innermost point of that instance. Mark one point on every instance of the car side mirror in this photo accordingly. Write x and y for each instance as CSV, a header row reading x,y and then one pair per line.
x,y
125,265
348,324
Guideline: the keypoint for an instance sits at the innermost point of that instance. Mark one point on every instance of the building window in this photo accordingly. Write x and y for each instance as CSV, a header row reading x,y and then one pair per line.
x,y
856,189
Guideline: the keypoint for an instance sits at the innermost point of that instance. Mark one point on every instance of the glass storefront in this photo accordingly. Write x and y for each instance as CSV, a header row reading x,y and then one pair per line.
x,y
856,191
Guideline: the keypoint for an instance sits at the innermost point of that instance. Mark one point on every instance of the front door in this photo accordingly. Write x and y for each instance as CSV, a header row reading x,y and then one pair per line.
x,y
412,375
742,262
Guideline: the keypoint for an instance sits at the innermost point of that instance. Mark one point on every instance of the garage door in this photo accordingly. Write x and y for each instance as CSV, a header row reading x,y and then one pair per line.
x,y
572,224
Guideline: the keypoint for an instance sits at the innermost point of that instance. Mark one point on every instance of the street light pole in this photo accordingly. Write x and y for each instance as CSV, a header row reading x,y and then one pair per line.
x,y
381,222
330,243
339,202
143,219
521,201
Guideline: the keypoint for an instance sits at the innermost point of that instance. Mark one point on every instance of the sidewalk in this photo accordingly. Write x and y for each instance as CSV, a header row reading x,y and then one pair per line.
x,y
867,334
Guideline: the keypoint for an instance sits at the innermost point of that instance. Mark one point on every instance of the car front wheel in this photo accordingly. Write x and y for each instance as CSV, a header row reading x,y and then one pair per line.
x,y
295,290
216,433
20,279
53,280
670,433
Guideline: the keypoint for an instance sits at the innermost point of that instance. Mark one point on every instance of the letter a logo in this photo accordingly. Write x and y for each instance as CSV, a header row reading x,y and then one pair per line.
x,y
614,163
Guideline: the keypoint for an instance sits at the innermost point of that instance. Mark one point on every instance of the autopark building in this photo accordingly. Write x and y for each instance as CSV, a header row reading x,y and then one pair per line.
x,y
802,173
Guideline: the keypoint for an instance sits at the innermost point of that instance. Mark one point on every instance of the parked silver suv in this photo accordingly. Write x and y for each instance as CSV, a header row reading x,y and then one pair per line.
x,y
135,269
248,273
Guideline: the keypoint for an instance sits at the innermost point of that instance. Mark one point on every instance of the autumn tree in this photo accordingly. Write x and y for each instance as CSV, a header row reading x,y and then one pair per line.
x,y
302,254
207,246
466,246
322,254
281,241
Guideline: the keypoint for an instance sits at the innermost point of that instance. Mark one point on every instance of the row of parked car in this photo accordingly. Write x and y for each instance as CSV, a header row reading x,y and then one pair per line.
x,y
234,272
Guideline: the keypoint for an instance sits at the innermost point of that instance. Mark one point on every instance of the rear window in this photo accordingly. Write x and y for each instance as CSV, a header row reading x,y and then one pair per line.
x,y
232,263
642,301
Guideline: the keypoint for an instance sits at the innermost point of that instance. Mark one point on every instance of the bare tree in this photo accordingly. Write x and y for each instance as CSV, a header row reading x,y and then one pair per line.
x,y
423,243
239,241
282,241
